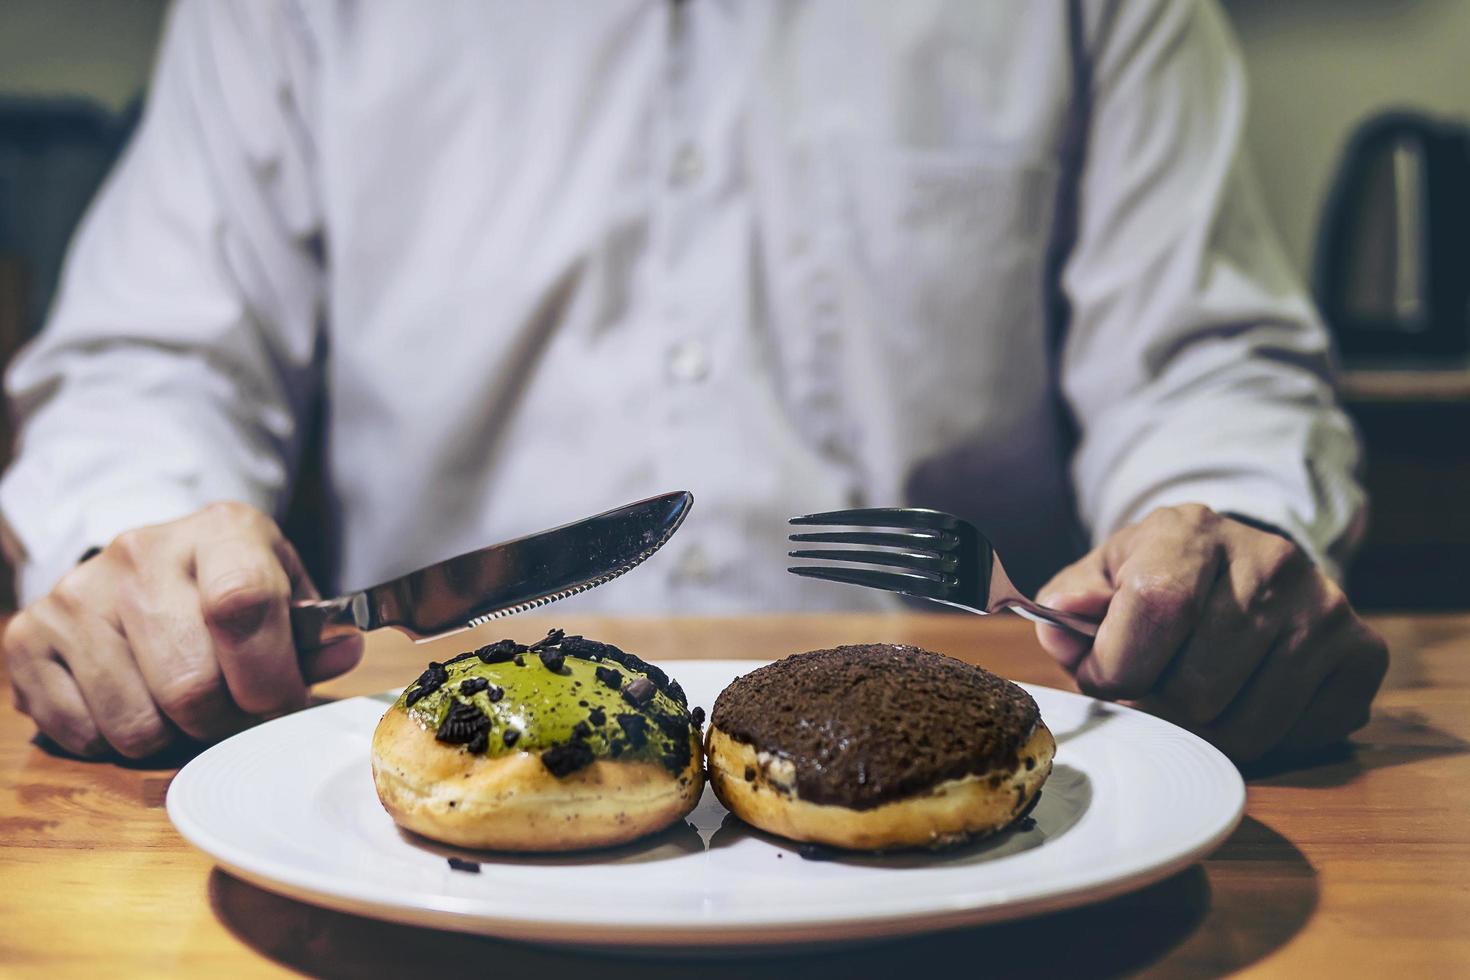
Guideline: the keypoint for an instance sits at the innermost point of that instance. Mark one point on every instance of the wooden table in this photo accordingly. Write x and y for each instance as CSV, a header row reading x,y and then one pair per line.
x,y
1358,865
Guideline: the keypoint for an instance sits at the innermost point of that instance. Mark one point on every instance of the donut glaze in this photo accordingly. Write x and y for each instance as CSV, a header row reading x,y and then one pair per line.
x,y
871,724
570,699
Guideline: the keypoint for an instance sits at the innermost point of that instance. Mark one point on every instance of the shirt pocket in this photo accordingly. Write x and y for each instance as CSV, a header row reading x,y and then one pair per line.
x,y
943,257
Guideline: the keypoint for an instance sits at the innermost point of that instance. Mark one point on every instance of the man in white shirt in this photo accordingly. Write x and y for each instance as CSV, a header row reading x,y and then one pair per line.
x,y
535,260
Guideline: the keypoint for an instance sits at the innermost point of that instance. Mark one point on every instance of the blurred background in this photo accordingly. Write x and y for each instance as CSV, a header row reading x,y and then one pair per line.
x,y
1357,128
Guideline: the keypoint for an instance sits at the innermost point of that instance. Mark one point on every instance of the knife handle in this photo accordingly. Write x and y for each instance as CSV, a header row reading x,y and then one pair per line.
x,y
315,623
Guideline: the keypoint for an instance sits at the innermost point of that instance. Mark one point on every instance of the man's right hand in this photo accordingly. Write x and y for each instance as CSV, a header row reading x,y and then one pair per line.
x,y
177,628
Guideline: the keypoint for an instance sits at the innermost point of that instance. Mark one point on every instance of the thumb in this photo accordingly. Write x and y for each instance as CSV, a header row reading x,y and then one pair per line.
x,y
332,660
1083,587
336,657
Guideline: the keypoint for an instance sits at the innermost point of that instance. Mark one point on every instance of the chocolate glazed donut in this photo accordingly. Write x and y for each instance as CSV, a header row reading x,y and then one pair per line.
x,y
877,746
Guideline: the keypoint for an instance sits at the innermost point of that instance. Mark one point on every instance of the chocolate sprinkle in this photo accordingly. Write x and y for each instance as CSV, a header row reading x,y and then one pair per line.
x,y
510,737
597,716
576,646
460,864
563,760
674,726
678,757
635,727
583,648
940,719
638,692
462,723
428,682
610,677
551,639
498,652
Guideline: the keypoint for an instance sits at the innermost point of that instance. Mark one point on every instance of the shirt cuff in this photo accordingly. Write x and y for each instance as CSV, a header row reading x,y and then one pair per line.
x,y
47,532
1255,507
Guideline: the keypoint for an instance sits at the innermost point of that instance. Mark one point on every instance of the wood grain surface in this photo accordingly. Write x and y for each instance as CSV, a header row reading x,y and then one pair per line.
x,y
1355,865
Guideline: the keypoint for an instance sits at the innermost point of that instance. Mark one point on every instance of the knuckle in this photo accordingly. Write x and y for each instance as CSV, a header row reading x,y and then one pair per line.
x,y
75,733
1335,606
225,510
1193,517
71,592
20,636
1281,558
1110,682
139,736
242,587
1094,683
137,602
132,546
1159,595
235,514
190,697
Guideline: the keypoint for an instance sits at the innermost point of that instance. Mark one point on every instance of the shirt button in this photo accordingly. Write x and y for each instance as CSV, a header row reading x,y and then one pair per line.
x,y
688,165
688,361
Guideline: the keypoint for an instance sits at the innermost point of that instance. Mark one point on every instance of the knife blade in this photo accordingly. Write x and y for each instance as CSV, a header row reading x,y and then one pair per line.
x,y
502,579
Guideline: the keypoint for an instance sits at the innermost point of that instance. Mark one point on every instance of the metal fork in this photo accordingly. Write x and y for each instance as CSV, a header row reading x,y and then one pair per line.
x,y
934,556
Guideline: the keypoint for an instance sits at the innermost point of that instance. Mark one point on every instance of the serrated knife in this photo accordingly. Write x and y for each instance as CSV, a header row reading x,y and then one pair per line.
x,y
500,580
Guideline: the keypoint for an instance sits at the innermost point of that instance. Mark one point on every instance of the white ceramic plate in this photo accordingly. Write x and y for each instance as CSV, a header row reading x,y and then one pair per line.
x,y
290,806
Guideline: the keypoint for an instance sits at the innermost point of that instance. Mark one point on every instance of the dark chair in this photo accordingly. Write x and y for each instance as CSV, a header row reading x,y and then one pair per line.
x,y
53,155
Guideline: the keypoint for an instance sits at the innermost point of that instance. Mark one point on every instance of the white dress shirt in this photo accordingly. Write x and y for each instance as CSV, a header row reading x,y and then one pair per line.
x,y
534,260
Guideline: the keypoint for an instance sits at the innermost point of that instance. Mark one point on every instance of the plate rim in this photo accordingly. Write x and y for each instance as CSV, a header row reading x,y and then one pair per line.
x,y
440,912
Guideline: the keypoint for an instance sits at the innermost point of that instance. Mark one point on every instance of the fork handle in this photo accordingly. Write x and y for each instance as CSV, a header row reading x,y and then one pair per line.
x,y
1037,613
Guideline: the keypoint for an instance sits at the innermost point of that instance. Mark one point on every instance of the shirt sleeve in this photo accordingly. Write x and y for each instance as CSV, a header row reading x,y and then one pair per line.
x,y
1194,364
181,350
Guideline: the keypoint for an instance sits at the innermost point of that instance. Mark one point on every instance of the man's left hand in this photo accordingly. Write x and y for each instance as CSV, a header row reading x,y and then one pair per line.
x,y
1228,630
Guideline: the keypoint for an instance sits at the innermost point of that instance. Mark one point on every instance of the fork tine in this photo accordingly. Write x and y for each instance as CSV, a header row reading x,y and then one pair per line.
x,y
900,582
937,567
907,517
926,541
